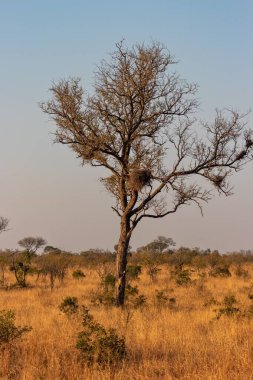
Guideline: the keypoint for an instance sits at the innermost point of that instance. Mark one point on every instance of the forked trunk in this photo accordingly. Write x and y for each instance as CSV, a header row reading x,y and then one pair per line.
x,y
121,260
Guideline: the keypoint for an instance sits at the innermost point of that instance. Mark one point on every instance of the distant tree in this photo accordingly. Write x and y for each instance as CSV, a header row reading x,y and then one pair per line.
x,y
138,125
55,265
159,245
50,248
32,244
3,224
21,261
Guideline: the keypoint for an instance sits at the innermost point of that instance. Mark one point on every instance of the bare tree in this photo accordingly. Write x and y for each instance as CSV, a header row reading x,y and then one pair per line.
x,y
138,124
3,224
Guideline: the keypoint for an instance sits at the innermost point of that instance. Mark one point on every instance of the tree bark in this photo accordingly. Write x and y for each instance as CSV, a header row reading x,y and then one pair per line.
x,y
121,260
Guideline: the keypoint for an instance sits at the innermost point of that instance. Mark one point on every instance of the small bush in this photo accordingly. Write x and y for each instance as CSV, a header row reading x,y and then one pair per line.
x,y
133,297
220,271
228,310
99,345
103,298
69,306
109,282
133,272
105,295
183,278
161,298
8,330
78,274
131,291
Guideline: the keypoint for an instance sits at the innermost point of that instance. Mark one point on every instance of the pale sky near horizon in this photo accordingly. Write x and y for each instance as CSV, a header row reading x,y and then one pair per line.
x,y
44,191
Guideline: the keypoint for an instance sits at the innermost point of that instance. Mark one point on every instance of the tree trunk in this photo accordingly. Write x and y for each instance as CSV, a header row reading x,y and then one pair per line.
x,y
121,260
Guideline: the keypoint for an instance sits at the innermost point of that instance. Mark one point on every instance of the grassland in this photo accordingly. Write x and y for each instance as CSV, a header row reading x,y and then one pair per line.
x,y
182,340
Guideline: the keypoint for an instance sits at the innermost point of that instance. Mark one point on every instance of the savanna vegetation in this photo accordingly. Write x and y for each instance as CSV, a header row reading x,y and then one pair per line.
x,y
159,312
188,315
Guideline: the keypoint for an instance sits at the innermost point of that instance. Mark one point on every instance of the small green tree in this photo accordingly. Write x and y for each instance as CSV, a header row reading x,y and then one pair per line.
x,y
8,330
228,308
99,345
69,306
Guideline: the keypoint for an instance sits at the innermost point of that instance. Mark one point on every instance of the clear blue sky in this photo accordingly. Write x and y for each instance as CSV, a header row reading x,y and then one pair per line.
x,y
43,189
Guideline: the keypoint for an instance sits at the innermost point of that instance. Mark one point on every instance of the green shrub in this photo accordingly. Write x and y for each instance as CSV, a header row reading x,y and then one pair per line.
x,y
163,299
183,277
99,345
228,310
106,293
69,306
8,330
105,298
133,297
109,282
78,274
131,291
220,271
133,272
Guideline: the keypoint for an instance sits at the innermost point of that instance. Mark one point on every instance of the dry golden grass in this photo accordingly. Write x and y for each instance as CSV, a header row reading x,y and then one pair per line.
x,y
183,341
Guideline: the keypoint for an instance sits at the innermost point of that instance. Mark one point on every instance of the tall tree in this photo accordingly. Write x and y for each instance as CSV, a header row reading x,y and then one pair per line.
x,y
138,125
